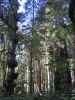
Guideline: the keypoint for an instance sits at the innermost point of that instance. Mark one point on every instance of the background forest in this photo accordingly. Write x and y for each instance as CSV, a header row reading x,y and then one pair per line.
x,y
37,48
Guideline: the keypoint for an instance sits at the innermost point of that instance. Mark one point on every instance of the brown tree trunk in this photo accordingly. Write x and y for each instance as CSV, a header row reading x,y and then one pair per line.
x,y
39,76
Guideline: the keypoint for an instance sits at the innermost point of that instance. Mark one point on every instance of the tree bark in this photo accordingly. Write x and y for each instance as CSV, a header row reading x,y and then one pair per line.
x,y
39,76
72,17
11,59
31,72
62,74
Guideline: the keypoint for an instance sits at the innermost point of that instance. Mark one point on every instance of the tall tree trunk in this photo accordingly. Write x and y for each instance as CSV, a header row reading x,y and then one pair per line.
x,y
39,76
31,71
11,59
62,74
72,17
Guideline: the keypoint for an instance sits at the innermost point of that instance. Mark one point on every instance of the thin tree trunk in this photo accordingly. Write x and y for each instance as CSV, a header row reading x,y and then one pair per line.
x,y
72,17
39,76
31,73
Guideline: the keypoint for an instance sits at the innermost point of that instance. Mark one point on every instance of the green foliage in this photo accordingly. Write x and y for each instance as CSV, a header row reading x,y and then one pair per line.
x,y
35,39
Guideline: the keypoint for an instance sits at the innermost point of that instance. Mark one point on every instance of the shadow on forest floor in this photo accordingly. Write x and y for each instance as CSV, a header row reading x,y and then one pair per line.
x,y
37,97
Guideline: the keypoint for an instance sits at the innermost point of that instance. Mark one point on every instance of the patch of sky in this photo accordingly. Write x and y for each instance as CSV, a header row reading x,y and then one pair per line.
x,y
27,11
4,7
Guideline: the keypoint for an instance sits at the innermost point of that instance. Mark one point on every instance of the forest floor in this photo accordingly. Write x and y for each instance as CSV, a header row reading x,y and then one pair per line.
x,y
54,97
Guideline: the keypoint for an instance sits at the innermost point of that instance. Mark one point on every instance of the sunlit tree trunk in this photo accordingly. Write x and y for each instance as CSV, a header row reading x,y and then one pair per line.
x,y
39,75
